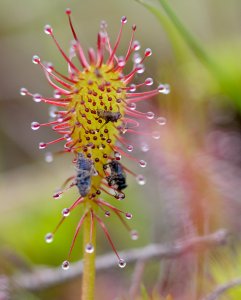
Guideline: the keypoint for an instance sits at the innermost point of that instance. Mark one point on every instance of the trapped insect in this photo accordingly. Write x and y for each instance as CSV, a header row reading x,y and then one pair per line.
x,y
117,175
85,170
109,116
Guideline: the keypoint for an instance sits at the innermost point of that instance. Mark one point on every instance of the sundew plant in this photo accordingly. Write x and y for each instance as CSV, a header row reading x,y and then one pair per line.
x,y
94,113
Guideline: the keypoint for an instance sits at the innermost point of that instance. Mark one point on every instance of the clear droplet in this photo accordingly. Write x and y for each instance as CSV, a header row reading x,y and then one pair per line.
x,y
121,61
107,214
140,179
132,106
129,148
57,195
42,145
117,156
65,265
132,87
128,216
53,111
149,81
36,59
48,29
122,263
37,98
136,58
49,67
49,237
150,115
148,52
136,45
23,91
145,147
142,163
161,121
120,196
89,248
164,88
65,212
49,157
134,235
140,68
124,20
156,135
103,24
57,94
35,125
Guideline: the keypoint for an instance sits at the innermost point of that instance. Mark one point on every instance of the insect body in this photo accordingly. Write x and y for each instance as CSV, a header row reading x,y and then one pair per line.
x,y
109,116
117,175
85,170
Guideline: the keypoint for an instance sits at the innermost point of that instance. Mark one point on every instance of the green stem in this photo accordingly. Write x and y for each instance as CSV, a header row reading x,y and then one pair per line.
x,y
88,281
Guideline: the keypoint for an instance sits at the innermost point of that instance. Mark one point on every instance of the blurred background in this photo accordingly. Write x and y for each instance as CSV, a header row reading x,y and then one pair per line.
x,y
193,174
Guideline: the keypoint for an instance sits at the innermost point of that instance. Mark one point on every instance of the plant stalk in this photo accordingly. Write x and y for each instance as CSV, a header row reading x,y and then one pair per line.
x,y
88,279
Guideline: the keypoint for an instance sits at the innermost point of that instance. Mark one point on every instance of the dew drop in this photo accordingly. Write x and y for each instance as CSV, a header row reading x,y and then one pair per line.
x,y
49,237
23,91
128,216
42,145
37,98
36,59
89,248
149,81
132,106
140,179
156,135
136,58
148,52
142,163
107,214
164,89
57,94
136,45
65,212
134,235
35,125
150,115
48,157
120,196
103,24
145,147
49,67
121,61
57,195
68,11
132,88
65,265
161,121
129,148
117,156
140,68
48,29
124,20
53,111
122,263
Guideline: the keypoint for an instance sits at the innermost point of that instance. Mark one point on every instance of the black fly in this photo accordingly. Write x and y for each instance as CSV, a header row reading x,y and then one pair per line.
x,y
117,175
85,170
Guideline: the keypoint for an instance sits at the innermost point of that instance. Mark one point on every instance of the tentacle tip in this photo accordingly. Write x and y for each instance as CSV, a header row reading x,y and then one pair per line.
x,y
48,29
124,20
23,91
68,11
36,59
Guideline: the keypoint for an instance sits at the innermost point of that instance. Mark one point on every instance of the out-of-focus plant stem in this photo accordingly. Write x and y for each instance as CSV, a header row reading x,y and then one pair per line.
x,y
227,83
88,281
